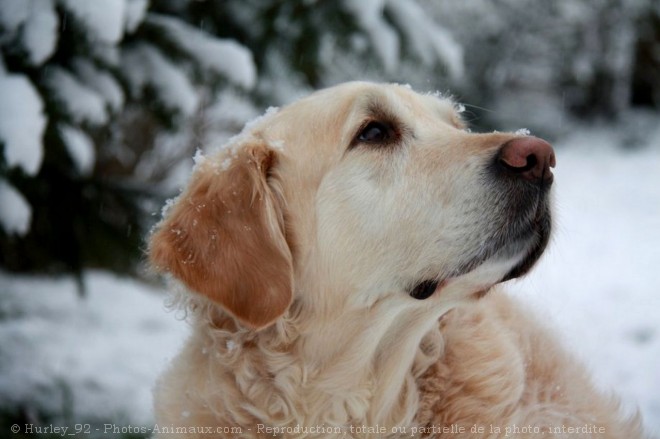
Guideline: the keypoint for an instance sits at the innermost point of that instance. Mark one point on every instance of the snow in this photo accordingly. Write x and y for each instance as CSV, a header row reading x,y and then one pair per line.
x,y
106,54
40,31
597,285
369,13
147,66
217,55
16,214
136,10
14,13
459,107
199,158
101,352
277,144
245,135
230,108
79,101
103,20
80,148
429,41
101,82
22,123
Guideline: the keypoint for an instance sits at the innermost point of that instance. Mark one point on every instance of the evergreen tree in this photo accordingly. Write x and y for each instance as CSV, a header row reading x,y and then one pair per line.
x,y
87,88
302,45
564,60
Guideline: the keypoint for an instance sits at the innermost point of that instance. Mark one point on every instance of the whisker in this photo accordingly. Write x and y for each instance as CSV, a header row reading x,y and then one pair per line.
x,y
479,108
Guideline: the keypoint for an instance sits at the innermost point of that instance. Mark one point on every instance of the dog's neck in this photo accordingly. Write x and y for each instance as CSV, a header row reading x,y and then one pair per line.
x,y
355,367
377,352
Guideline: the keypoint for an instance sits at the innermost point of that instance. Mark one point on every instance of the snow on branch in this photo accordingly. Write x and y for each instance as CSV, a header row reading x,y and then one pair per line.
x,y
103,20
100,81
80,148
146,66
386,21
430,42
221,56
136,10
385,41
79,102
39,34
33,25
22,123
16,214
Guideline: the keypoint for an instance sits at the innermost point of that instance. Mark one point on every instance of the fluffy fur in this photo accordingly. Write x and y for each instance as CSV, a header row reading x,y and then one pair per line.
x,y
296,250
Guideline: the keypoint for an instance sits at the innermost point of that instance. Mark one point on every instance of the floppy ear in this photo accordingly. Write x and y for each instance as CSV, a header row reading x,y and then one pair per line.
x,y
224,238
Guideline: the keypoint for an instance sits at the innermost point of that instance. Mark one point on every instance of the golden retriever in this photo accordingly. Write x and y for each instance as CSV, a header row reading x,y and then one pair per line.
x,y
338,260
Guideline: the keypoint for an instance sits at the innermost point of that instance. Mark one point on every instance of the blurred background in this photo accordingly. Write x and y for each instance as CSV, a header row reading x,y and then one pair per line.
x,y
104,103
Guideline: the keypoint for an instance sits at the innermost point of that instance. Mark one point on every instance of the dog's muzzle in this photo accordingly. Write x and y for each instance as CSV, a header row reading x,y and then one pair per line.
x,y
522,170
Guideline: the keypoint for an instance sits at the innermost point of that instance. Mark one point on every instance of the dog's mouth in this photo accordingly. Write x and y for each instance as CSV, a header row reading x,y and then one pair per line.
x,y
538,238
520,227
520,233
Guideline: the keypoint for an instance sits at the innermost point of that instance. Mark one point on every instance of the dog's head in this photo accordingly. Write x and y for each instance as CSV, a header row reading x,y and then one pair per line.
x,y
365,192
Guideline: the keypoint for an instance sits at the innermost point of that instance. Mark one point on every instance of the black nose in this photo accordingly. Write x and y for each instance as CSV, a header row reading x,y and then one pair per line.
x,y
529,158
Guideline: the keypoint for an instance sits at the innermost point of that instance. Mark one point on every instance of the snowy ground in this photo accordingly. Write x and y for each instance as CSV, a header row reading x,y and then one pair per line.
x,y
96,357
599,282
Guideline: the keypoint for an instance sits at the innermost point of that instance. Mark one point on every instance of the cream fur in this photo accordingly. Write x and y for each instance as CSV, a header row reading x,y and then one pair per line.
x,y
339,344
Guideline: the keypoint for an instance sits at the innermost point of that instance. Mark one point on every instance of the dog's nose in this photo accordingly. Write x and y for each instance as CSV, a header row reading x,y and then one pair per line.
x,y
528,157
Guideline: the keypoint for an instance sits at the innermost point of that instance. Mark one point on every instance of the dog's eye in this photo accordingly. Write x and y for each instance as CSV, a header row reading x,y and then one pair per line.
x,y
374,132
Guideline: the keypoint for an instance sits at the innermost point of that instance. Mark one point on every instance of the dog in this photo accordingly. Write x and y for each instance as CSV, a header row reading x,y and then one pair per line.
x,y
339,261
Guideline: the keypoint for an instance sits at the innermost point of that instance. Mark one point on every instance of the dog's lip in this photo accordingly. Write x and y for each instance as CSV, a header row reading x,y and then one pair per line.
x,y
528,261
527,243
540,235
427,288
527,248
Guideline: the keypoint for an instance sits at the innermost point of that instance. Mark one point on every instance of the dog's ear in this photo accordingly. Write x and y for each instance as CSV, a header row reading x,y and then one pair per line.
x,y
225,239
